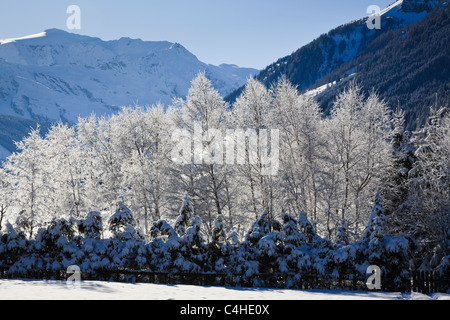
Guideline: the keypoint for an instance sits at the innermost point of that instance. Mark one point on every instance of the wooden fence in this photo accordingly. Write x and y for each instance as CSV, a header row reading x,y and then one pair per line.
x,y
429,282
264,280
421,281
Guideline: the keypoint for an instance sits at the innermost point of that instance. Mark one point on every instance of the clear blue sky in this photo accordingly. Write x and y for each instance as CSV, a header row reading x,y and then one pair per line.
x,y
249,33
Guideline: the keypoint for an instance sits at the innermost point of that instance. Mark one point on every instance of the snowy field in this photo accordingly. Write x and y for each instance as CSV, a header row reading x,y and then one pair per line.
x,y
92,290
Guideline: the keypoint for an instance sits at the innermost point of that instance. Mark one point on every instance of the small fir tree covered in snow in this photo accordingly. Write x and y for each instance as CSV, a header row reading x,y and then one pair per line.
x,y
13,245
342,238
91,226
395,181
261,227
293,240
219,248
292,235
184,218
122,223
375,230
53,247
126,247
193,250
264,240
164,246
307,228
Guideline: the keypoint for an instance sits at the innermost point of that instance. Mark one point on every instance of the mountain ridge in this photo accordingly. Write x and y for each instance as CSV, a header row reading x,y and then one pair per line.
x,y
317,66
56,75
409,68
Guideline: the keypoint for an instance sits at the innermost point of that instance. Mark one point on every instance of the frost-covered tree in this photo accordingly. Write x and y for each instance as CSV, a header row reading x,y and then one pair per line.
x,y
26,175
251,115
145,144
103,157
204,178
357,144
6,195
65,169
300,121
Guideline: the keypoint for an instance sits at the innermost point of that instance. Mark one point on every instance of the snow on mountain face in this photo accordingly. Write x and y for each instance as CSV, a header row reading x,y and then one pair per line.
x,y
309,64
58,75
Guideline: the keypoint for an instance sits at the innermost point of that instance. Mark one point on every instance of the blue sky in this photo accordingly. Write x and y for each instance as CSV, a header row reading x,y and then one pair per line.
x,y
249,33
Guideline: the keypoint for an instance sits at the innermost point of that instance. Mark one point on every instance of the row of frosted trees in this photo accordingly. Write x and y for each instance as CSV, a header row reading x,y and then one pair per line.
x,y
329,166
289,247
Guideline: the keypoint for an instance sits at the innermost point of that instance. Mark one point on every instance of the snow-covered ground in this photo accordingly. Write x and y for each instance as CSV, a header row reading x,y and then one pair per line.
x,y
92,290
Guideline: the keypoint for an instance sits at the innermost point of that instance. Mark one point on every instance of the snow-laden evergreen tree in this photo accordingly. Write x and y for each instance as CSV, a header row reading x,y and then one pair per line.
x,y
429,197
264,242
306,227
376,230
192,256
219,236
293,244
264,225
391,254
122,223
342,238
91,254
395,181
13,245
184,219
127,247
164,247
191,253
292,235
222,247
52,250
91,226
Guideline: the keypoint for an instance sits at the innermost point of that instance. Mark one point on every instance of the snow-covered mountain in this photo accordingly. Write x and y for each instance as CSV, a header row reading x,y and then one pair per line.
x,y
312,64
58,75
